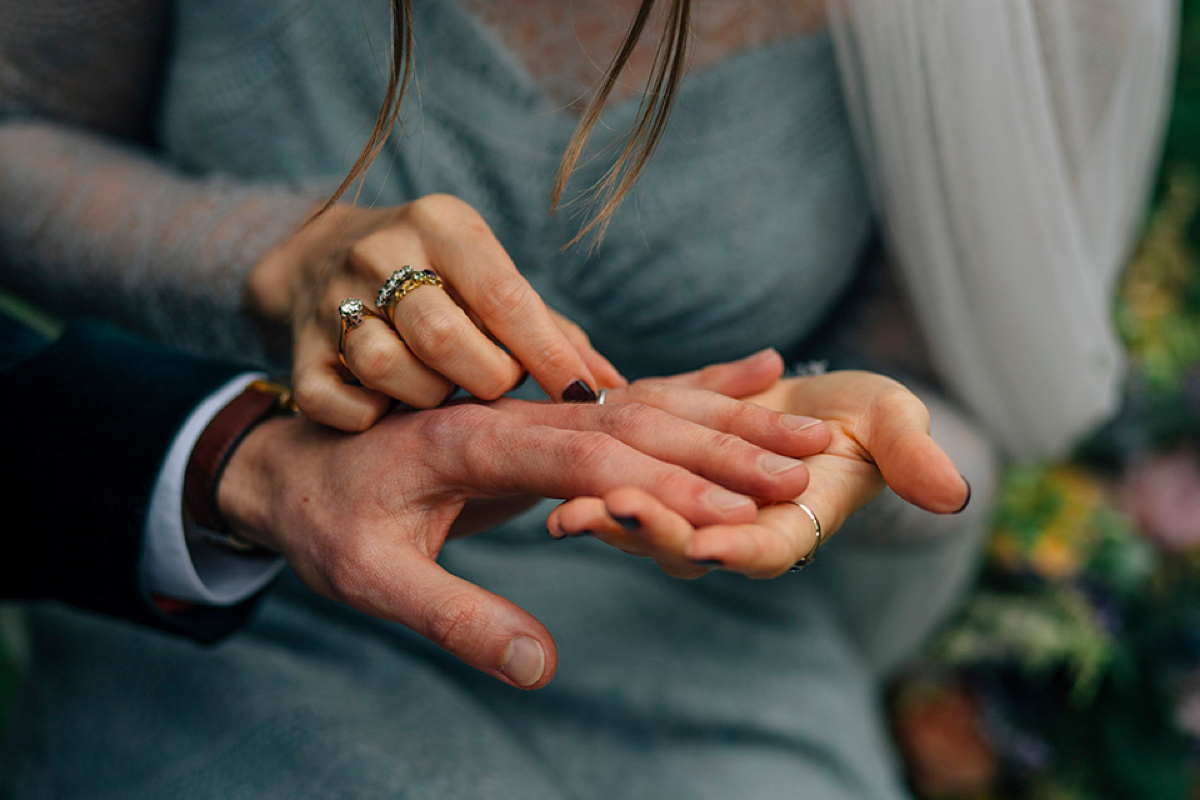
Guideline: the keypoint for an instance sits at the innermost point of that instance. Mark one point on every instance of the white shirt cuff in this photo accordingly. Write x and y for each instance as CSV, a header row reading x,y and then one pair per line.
x,y
202,572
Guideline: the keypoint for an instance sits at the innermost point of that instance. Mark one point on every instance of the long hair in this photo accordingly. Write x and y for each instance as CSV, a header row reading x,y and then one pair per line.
x,y
651,122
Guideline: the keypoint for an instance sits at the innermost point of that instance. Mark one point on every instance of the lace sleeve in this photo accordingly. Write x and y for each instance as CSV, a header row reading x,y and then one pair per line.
x,y
1012,145
90,222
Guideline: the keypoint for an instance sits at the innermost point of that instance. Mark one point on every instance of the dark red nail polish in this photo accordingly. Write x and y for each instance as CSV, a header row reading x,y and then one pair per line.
x,y
966,502
578,392
628,523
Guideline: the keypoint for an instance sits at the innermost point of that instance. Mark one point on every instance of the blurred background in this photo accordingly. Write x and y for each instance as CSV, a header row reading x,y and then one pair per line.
x,y
1073,671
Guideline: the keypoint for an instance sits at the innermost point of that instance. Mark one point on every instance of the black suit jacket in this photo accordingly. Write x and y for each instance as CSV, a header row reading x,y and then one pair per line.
x,y
85,423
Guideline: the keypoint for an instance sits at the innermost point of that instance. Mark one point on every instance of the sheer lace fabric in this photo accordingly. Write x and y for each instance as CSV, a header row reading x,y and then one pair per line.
x,y
1012,143
90,222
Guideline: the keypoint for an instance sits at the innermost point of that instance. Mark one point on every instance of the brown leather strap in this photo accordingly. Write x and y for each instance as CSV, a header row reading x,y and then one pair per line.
x,y
260,400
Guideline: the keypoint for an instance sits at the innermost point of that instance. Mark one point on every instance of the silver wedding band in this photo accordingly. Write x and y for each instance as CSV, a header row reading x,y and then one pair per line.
x,y
601,396
812,554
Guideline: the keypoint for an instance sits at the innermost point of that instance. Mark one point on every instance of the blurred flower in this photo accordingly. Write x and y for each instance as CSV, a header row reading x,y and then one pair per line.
x,y
1187,709
939,730
1046,521
1162,495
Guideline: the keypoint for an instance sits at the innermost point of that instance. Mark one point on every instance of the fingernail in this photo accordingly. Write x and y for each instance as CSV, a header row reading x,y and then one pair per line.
x,y
770,351
773,464
578,392
966,502
798,423
725,500
524,661
628,523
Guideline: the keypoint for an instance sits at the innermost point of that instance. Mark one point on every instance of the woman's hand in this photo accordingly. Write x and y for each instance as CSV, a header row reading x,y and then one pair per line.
x,y
362,518
880,433
432,339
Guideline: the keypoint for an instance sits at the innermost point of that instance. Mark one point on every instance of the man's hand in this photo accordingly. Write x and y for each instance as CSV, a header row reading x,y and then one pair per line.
x,y
362,517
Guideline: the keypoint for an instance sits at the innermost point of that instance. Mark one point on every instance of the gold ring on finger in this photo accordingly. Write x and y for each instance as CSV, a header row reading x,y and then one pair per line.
x,y
811,555
351,313
401,282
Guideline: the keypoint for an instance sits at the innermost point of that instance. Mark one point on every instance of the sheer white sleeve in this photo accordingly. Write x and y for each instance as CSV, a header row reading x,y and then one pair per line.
x,y
91,221
1012,145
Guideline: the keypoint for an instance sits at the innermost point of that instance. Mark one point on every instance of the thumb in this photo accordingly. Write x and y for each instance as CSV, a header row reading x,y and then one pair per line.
x,y
911,462
474,625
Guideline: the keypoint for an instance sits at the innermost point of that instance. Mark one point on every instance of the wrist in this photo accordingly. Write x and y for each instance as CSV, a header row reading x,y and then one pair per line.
x,y
245,491
218,448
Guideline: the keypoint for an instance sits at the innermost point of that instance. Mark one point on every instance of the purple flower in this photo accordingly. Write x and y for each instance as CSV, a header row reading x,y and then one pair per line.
x,y
1162,495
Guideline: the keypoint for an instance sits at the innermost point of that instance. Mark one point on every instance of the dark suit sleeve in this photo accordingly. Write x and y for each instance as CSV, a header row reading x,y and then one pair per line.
x,y
85,423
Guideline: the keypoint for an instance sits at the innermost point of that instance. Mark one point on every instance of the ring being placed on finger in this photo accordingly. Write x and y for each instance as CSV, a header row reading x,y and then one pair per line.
x,y
811,556
351,313
401,282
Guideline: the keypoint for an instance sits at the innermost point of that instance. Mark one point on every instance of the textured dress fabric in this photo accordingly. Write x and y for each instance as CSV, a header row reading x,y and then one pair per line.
x,y
744,232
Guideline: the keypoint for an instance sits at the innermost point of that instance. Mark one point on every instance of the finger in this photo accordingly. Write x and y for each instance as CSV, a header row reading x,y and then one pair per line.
x,y
607,375
914,466
564,459
321,392
476,626
657,527
634,522
441,334
742,378
721,457
782,535
382,362
466,253
787,434
587,516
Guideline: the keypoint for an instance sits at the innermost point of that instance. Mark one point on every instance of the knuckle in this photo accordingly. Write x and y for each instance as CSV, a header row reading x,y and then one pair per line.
x,y
347,570
630,417
504,292
676,485
373,360
556,355
491,384
439,210
361,253
435,333
450,623
313,395
428,394
651,392
589,447
448,425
